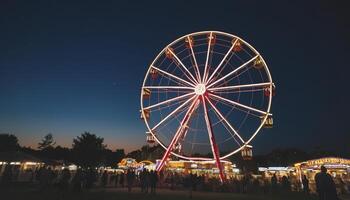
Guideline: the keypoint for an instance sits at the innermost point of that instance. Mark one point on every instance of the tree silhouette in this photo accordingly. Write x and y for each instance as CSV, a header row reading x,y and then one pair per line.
x,y
46,142
61,153
8,142
112,158
147,153
88,150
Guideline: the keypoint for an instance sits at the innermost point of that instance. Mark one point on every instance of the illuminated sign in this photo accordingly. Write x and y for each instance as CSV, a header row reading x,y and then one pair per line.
x,y
263,169
323,161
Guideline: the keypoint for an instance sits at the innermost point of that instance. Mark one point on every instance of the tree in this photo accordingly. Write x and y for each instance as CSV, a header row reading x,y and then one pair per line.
x,y
112,158
136,154
120,154
8,142
88,150
61,153
147,153
116,157
46,142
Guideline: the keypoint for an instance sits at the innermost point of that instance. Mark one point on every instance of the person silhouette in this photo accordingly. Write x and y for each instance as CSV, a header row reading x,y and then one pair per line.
x,y
104,179
121,179
147,181
142,179
130,176
77,180
305,181
285,183
325,185
7,176
64,179
116,179
153,180
274,183
172,181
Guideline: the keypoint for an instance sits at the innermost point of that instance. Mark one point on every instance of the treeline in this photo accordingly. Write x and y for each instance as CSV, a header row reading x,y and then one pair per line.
x,y
89,150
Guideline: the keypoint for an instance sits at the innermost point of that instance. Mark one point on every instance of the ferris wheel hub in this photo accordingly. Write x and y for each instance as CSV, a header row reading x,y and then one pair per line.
x,y
200,89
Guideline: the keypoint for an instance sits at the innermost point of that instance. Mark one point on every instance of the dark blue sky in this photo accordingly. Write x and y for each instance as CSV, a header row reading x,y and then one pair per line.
x,y
67,68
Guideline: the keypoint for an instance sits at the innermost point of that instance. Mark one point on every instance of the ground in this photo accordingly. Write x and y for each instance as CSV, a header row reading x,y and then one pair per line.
x,y
33,193
20,193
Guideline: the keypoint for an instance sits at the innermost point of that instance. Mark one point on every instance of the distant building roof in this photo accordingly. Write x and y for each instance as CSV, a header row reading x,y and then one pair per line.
x,y
17,156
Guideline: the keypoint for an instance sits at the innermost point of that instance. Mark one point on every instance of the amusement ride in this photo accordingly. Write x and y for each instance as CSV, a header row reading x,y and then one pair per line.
x,y
205,96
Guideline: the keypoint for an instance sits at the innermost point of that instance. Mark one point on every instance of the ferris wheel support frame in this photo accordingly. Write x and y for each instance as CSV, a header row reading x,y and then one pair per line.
x,y
214,146
178,134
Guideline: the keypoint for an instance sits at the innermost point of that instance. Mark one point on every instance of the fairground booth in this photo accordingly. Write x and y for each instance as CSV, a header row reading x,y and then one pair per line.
x,y
339,168
182,166
200,167
22,165
131,163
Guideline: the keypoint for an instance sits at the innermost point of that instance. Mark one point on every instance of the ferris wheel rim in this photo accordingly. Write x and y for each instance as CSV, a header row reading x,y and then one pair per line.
x,y
247,142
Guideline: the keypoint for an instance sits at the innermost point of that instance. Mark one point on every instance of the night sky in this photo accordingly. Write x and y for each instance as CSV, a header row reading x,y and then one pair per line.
x,y
68,68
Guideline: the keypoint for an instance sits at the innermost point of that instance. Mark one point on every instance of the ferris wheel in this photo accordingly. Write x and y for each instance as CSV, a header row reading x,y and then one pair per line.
x,y
205,96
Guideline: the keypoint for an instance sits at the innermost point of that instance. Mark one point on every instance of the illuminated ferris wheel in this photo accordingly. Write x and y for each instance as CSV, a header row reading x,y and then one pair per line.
x,y
205,96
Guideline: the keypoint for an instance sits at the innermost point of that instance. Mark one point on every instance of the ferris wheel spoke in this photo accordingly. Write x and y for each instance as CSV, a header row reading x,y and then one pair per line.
x,y
222,61
178,133
237,87
170,100
225,120
173,113
214,146
198,74
169,87
233,77
232,72
193,79
207,59
239,104
173,76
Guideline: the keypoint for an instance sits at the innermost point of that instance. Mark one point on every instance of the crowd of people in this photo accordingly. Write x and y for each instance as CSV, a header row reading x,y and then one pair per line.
x,y
148,180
